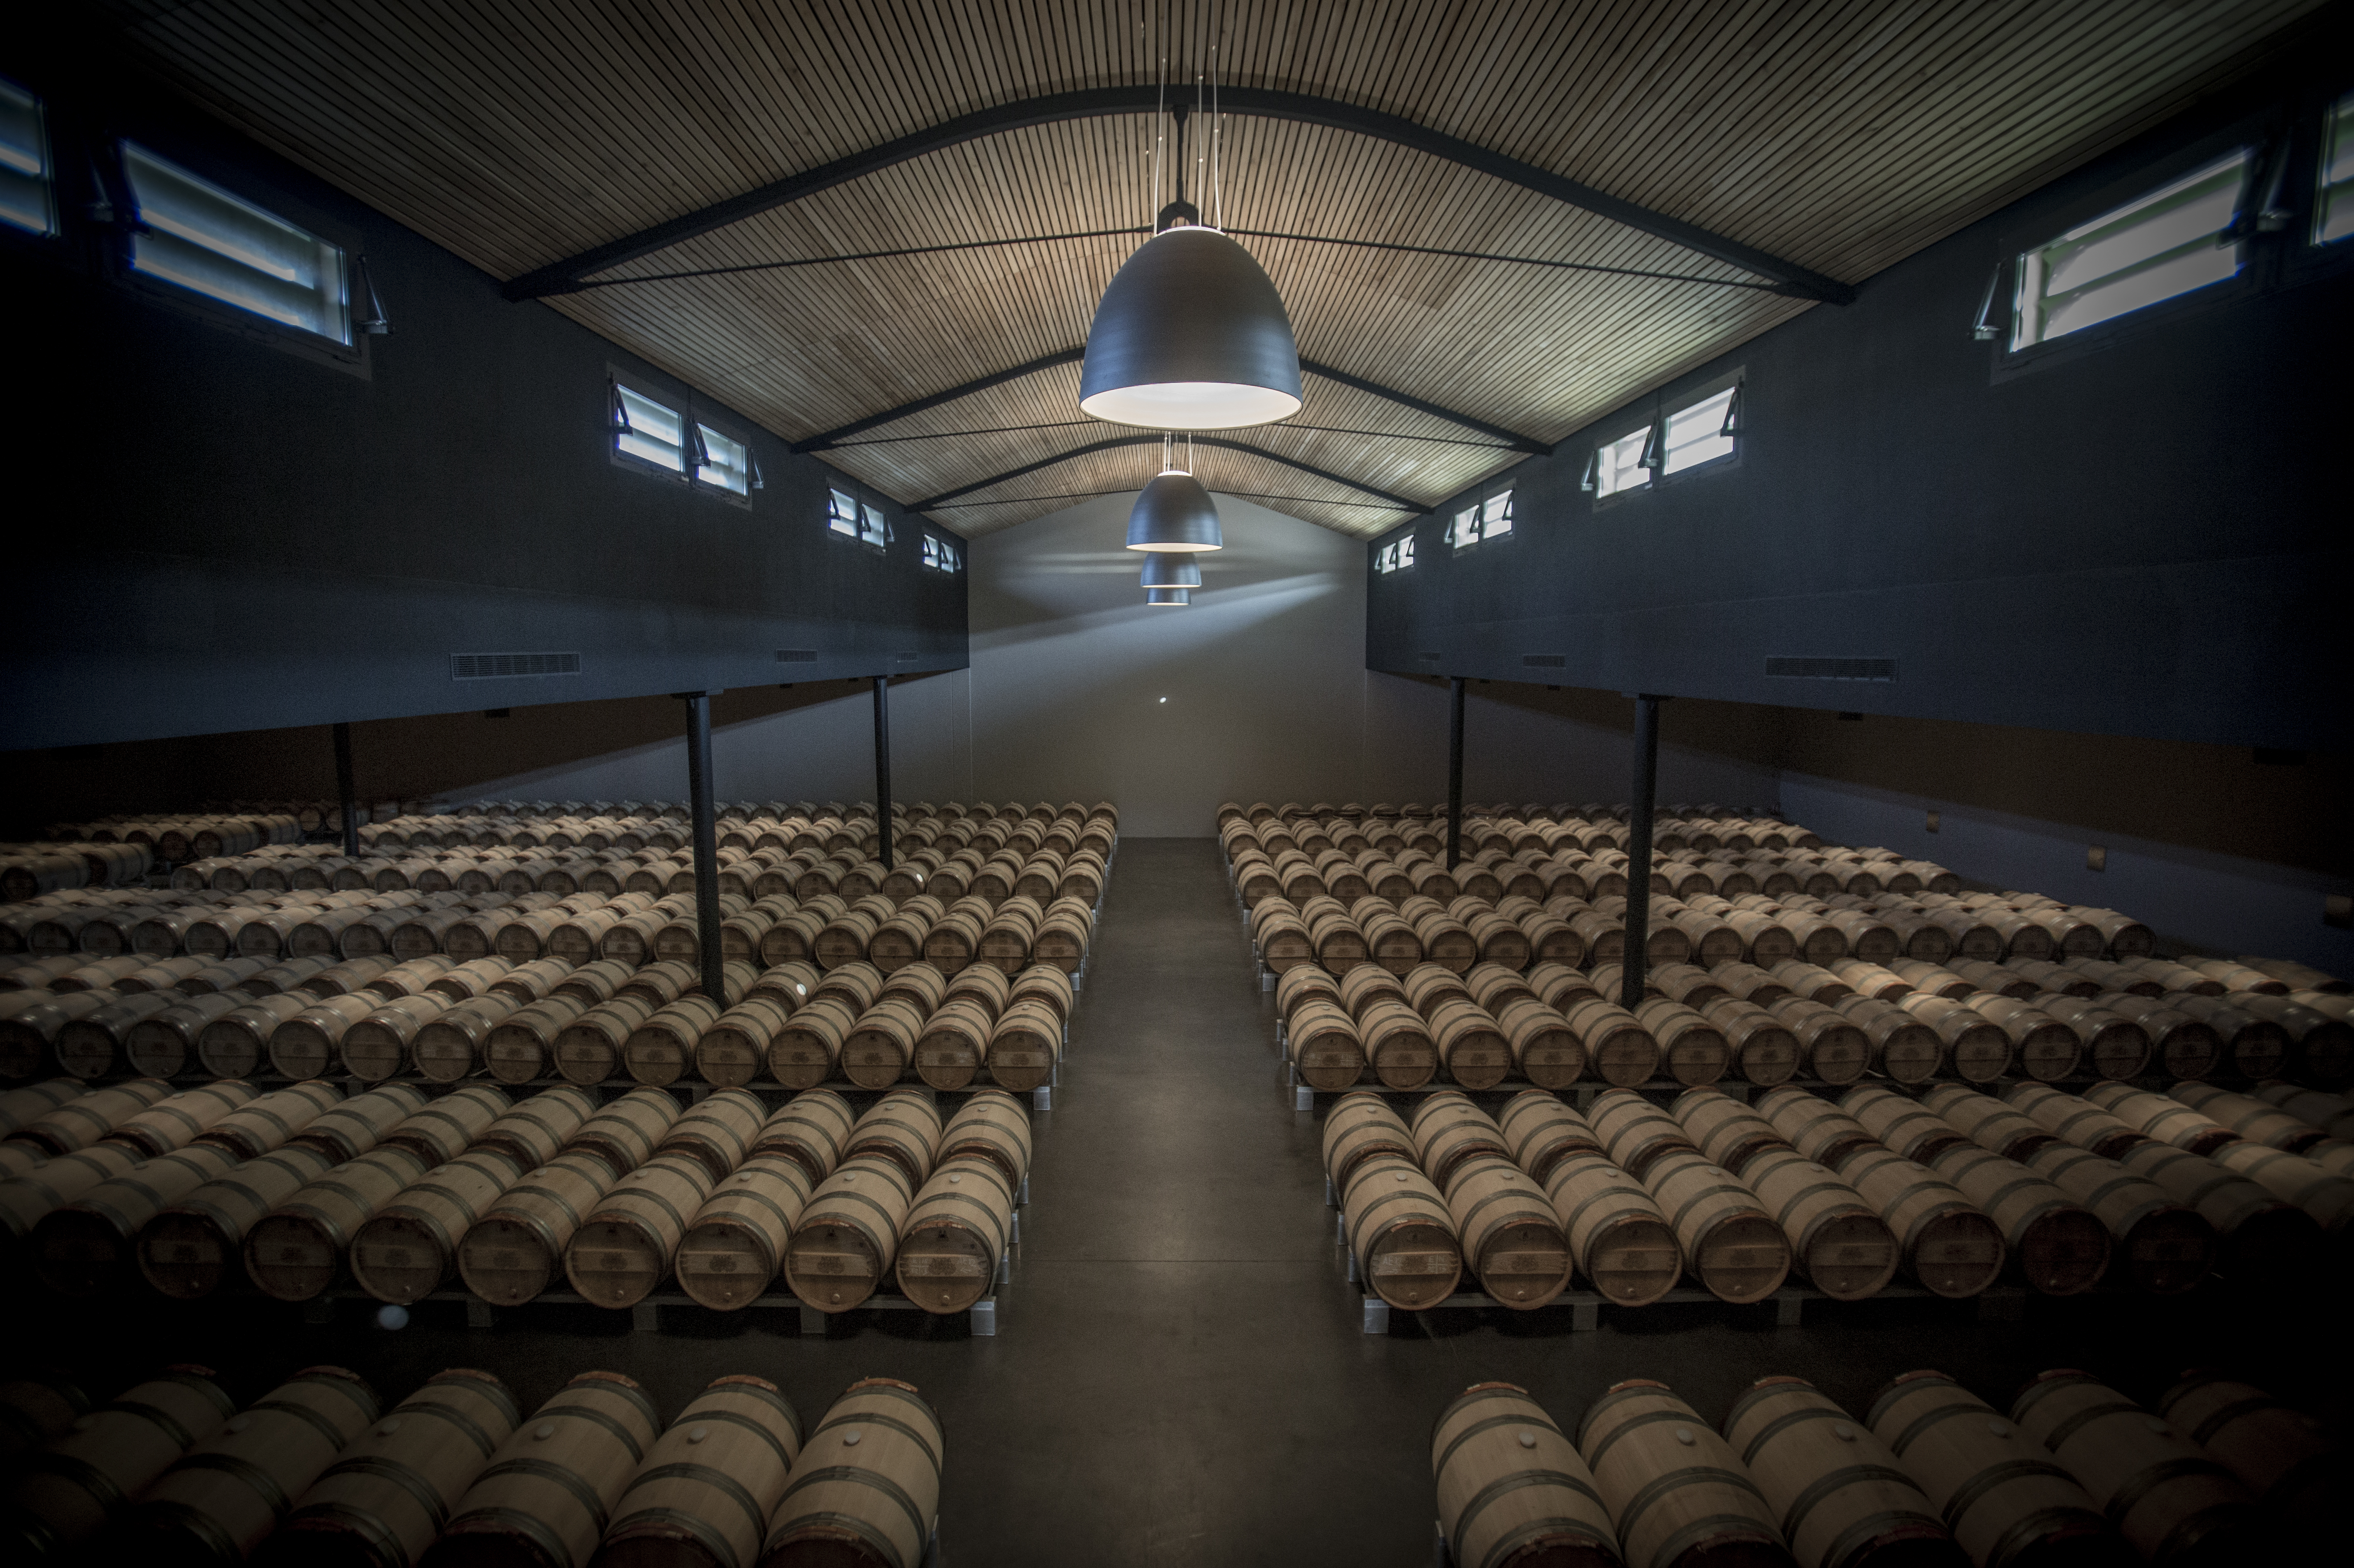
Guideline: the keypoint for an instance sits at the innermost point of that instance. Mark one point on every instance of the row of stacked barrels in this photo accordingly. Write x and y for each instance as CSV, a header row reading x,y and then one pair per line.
x,y
297,1187
2141,1190
318,1471
2219,1471
148,827
129,851
1554,1023
1966,985
794,1024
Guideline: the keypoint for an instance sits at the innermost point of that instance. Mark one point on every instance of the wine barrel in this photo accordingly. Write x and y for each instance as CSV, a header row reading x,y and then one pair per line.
x,y
2167,1246
812,1129
228,1492
904,1126
846,1237
535,1128
866,1486
2163,1493
2281,1455
360,1122
1449,1130
732,1247
1814,1127
1636,1133
2074,1120
381,1502
1904,1124
1539,1132
2165,1120
515,1250
1950,1248
1725,1129
1024,1045
2332,1114
625,1247
1990,1124
734,1048
588,1049
294,1251
408,1246
1994,1485
550,1488
83,1247
1511,1488
188,1247
702,1495
1398,1046
92,1046
1731,1245
1679,1493
306,1044
36,1411
1619,1238
64,1496
1509,1236
1832,1047
802,1051
2253,1120
21,1107
448,1045
268,1120
2294,1179
1693,1050
88,1116
1842,1499
1360,1124
448,1127
1838,1241
1621,1050
2062,1249
718,1130
992,1125
1401,1233
2260,1240
880,1044
955,1234
522,1045
626,1131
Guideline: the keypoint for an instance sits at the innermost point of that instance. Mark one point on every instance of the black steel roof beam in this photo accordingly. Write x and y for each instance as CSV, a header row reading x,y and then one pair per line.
x,y
825,438
1114,442
565,276
1511,439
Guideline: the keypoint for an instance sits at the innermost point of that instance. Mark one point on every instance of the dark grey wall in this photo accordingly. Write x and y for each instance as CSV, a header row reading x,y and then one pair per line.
x,y
2144,534
230,535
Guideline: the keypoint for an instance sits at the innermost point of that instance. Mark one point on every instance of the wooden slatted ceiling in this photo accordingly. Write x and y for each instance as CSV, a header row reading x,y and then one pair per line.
x,y
1843,134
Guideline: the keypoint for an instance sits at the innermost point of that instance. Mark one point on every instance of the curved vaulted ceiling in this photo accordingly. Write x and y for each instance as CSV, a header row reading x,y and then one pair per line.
x,y
1740,143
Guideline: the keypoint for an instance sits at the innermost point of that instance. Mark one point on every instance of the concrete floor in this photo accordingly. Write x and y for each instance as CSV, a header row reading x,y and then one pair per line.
x,y
1179,1376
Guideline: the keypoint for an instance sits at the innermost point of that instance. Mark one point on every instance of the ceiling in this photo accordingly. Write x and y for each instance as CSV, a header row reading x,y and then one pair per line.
x,y
1839,135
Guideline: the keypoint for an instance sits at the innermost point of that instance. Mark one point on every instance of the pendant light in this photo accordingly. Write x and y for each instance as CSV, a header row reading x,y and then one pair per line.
x,y
1169,569
1178,597
1192,335
1174,512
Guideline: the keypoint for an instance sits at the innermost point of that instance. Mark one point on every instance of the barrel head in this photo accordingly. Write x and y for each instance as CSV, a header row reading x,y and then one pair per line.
x,y
946,1060
1745,1259
78,1254
1552,1058
397,1258
505,1263
2068,1251
798,1060
290,1257
945,1268
1958,1254
184,1255
1523,1265
443,1054
832,1267
1849,1256
615,1263
723,1265
300,1049
2169,1252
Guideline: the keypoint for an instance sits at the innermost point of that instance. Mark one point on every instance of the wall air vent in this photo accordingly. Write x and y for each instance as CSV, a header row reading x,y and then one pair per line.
x,y
494,666
1544,661
1831,669
796,655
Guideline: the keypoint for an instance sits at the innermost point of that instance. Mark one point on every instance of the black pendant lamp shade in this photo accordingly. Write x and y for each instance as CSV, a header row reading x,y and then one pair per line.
x,y
1168,596
1190,337
1174,513
1170,569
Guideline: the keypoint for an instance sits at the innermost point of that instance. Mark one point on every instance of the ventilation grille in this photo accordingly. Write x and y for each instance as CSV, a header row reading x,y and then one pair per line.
x,y
492,666
1832,669
796,655
1544,661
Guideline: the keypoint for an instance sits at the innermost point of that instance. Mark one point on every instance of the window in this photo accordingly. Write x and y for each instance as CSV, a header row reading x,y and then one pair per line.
x,y
1491,519
874,529
1620,466
1702,433
841,513
194,234
2333,205
725,463
647,430
27,188
941,556
2167,243
1394,557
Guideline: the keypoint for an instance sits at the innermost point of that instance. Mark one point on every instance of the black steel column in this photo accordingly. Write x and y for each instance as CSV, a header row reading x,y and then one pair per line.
x,y
883,766
1638,848
706,843
1455,778
347,790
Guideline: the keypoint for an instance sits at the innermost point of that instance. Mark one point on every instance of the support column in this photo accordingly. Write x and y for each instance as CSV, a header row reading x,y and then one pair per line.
x,y
883,767
706,843
1454,776
1639,848
347,790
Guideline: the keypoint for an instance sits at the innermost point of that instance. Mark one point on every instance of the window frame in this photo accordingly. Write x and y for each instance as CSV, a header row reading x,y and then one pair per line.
x,y
617,380
119,269
1398,554
1478,513
873,521
834,519
2256,271
1640,487
941,556
1735,382
48,148
2317,125
726,430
